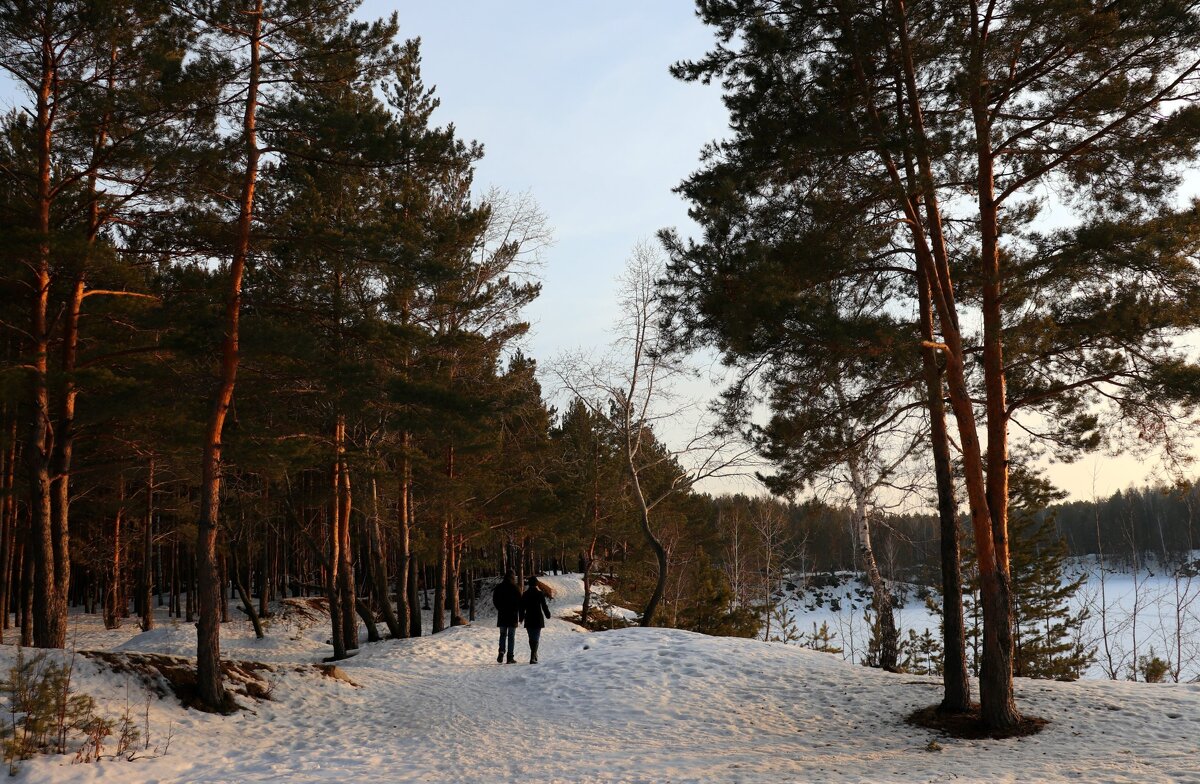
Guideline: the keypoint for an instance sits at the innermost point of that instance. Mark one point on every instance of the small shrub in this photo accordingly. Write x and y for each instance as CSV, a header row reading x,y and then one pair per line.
x,y
921,654
821,640
44,711
784,627
1153,669
95,730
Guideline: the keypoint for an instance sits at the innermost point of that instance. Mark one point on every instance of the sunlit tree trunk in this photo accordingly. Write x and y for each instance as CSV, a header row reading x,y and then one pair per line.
x,y
208,629
49,609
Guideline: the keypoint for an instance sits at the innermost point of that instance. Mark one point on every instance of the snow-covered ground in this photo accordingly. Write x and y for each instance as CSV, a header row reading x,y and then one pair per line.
x,y
1136,612
632,705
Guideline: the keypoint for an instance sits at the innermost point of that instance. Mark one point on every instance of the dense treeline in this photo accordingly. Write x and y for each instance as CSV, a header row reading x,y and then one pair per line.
x,y
259,329
1157,523
261,338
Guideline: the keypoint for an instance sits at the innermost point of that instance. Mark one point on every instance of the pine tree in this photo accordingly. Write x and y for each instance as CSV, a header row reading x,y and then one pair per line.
x,y
281,48
852,119
1046,637
822,639
1046,627
922,653
586,469
711,608
105,93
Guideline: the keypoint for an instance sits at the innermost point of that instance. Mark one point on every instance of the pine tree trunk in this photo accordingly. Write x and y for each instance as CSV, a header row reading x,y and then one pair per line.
x,y
471,595
210,688
27,571
956,697
345,569
439,591
49,604
415,621
518,557
175,609
190,591
998,707
443,566
8,516
264,597
64,442
426,581
337,638
379,572
112,592
61,458
404,554
247,605
160,577
455,579
145,591
334,564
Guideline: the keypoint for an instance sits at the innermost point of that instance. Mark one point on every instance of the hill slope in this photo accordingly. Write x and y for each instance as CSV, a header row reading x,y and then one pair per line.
x,y
634,705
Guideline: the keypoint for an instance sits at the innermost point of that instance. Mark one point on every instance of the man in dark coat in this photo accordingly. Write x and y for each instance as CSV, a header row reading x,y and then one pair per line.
x,y
534,611
507,599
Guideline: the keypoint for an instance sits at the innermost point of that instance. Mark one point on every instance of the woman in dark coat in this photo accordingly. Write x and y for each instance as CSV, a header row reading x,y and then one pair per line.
x,y
506,597
534,611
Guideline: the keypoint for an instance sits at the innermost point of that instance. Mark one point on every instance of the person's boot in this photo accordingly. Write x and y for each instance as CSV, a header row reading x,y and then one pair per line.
x,y
511,659
500,657
533,654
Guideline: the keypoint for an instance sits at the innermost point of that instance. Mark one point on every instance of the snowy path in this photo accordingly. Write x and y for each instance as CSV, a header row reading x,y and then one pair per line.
x,y
636,706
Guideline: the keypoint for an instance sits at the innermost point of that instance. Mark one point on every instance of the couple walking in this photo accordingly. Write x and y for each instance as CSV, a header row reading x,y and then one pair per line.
x,y
512,607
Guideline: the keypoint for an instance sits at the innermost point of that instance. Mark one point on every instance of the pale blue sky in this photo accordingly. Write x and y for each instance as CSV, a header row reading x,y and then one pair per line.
x,y
573,102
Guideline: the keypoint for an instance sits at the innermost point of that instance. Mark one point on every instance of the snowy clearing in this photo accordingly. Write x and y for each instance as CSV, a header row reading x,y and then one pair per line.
x,y
633,705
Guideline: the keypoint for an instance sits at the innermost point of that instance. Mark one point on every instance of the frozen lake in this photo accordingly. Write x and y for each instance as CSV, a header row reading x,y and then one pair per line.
x,y
1129,615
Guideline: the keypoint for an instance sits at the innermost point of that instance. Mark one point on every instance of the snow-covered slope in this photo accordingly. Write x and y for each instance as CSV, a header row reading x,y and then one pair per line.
x,y
633,705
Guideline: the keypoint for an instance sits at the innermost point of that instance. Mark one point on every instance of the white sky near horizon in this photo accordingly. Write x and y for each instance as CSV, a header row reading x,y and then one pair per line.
x,y
573,103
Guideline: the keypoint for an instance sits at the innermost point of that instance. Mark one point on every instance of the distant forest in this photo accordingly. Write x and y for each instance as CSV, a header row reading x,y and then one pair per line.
x,y
1150,527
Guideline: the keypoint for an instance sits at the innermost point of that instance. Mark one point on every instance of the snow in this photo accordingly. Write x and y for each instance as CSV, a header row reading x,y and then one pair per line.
x,y
1143,610
631,705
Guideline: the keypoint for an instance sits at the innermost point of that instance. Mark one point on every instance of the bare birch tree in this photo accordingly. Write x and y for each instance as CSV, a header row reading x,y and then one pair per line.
x,y
636,389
